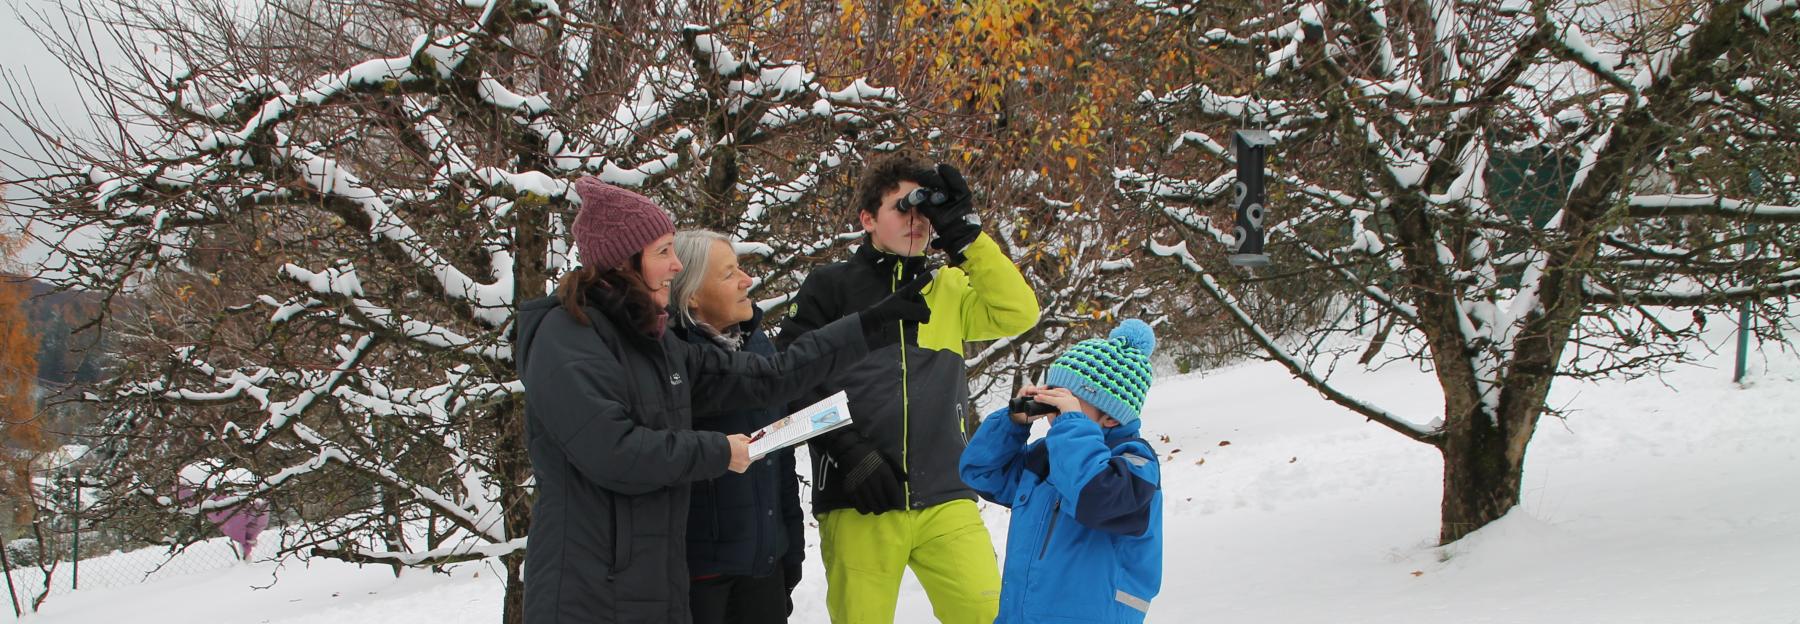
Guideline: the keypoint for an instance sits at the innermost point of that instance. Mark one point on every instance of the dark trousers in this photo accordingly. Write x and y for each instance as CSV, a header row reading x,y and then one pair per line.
x,y
739,599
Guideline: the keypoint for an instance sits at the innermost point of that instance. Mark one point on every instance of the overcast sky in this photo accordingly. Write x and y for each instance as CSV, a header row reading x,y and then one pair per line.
x,y
28,65
30,73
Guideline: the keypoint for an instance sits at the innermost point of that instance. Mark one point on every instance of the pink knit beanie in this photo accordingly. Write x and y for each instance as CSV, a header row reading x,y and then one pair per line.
x,y
615,223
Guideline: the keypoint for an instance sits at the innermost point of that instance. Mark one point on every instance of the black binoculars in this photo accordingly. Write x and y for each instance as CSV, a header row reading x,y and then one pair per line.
x,y
921,196
1030,407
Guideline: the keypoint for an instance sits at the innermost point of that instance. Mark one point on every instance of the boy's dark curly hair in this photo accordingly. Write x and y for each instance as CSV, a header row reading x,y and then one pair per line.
x,y
886,175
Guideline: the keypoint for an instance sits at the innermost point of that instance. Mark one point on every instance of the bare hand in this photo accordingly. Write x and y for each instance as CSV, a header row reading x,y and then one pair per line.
x,y
1061,398
1027,392
740,452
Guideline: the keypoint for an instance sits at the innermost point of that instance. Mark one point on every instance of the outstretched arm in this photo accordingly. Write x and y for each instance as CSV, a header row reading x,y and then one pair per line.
x,y
734,380
808,312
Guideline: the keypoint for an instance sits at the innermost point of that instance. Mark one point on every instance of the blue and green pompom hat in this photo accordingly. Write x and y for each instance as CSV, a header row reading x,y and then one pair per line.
x,y
1113,373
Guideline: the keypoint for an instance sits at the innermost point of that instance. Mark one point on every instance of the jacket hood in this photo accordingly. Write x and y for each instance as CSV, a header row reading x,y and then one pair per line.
x,y
602,307
525,327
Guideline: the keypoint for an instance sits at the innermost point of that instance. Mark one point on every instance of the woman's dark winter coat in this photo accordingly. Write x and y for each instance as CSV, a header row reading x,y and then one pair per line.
x,y
609,412
744,524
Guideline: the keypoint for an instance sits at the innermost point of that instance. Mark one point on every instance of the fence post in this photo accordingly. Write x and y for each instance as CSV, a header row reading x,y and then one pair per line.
x,y
1737,375
75,554
1743,346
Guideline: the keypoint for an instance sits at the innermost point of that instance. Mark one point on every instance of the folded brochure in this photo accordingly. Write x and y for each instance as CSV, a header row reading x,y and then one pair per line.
x,y
826,415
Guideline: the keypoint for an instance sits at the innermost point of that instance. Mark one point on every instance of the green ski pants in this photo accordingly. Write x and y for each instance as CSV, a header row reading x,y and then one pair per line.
x,y
947,546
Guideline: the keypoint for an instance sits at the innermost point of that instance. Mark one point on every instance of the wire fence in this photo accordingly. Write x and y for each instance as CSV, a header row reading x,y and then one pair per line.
x,y
38,572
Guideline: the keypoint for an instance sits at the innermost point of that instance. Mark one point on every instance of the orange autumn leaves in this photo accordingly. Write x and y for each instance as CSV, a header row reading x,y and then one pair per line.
x,y
21,431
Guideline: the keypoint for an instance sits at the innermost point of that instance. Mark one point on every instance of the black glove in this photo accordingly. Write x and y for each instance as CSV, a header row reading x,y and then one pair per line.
x,y
905,304
790,575
869,481
954,220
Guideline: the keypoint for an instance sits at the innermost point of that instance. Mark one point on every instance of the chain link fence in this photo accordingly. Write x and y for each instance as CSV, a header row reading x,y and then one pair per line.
x,y
39,570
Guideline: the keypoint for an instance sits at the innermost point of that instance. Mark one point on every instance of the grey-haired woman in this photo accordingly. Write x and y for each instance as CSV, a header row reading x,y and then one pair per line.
x,y
745,541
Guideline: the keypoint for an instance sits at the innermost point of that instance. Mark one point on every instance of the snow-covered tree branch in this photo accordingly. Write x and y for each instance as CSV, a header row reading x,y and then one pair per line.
x,y
315,229
1520,187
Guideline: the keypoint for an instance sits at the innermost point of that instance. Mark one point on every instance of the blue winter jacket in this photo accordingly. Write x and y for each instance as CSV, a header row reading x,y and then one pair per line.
x,y
1085,544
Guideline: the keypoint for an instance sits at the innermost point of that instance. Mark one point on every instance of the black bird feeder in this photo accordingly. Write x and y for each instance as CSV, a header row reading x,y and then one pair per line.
x,y
1249,147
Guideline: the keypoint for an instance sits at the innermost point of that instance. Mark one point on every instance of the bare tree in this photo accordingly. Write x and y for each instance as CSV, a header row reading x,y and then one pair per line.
x,y
1525,189
325,213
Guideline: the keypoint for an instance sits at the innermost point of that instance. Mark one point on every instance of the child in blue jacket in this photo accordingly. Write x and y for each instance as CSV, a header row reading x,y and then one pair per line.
x,y
1085,544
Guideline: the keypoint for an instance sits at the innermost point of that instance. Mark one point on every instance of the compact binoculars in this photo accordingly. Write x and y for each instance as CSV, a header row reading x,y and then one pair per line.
x,y
922,196
1029,407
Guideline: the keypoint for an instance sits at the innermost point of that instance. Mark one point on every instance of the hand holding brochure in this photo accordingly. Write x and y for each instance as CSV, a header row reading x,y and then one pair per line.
x,y
826,415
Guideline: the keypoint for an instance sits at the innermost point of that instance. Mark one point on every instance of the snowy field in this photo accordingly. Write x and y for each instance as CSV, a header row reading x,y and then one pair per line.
x,y
1659,500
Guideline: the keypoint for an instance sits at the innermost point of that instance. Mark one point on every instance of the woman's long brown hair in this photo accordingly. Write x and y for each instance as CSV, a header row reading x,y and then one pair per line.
x,y
576,286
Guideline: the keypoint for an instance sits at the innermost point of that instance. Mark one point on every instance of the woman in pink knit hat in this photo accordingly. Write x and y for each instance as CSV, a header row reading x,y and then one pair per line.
x,y
610,407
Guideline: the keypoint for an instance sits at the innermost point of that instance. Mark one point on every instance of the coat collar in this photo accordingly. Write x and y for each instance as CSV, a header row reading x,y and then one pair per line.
x,y
884,263
696,333
1124,431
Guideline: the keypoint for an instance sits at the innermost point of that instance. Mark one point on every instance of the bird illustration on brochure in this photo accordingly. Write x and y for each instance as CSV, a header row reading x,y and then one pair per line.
x,y
827,414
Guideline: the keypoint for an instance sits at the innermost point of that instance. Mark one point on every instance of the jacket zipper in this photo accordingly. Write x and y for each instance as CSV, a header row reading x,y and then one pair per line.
x,y
1055,510
905,401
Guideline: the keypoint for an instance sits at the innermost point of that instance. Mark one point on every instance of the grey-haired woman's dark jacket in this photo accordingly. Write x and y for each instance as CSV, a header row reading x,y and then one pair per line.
x,y
745,524
609,411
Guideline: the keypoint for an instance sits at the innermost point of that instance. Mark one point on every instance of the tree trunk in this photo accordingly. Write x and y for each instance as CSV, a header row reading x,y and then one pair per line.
x,y
1484,447
514,611
512,464
718,193
395,531
1481,479
514,468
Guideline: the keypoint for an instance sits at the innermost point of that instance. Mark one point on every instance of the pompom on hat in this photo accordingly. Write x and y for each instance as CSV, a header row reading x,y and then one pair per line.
x,y
615,223
1113,373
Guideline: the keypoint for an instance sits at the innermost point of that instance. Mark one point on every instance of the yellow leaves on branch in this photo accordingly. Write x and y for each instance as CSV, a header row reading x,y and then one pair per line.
x,y
1041,82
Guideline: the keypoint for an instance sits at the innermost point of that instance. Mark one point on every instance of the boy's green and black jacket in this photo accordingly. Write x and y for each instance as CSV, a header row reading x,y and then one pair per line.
x,y
909,399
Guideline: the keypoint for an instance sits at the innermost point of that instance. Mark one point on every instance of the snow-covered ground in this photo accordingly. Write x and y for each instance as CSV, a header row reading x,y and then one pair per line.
x,y
1659,500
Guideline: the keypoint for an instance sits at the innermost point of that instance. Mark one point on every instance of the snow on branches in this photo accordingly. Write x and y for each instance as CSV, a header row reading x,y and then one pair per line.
x,y
324,252
1510,183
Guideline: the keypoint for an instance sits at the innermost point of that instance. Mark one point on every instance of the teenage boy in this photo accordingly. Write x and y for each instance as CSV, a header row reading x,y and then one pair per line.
x,y
886,490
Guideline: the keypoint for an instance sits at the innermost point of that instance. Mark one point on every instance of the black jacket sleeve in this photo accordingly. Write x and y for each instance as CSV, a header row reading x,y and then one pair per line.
x,y
735,380
810,310
814,307
589,421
